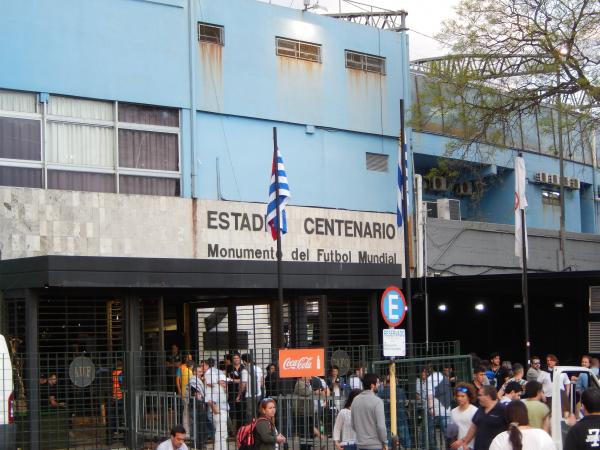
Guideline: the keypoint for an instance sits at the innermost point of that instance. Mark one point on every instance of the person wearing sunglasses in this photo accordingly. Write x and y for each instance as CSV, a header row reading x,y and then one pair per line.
x,y
462,415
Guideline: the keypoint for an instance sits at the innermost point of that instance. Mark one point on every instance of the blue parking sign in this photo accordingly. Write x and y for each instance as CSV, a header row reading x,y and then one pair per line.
x,y
393,306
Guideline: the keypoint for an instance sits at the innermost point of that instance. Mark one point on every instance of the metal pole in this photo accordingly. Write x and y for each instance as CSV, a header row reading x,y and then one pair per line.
x,y
393,421
425,280
524,289
562,239
409,328
279,284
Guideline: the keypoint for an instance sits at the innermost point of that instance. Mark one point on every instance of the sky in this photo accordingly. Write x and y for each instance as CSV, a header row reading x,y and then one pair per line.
x,y
424,18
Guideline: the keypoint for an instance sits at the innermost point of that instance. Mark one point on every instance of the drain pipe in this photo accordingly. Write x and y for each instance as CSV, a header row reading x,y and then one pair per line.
x,y
192,89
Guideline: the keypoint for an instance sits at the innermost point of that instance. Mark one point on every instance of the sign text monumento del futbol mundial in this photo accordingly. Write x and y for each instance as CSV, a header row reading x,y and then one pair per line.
x,y
312,226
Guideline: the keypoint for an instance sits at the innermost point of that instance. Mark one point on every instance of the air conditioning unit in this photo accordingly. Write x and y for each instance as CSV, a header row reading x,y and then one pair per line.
x,y
542,177
437,184
464,188
448,208
554,179
431,208
574,183
566,182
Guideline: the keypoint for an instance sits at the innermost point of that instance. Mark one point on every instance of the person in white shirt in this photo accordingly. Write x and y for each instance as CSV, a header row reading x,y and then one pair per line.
x,y
465,395
251,387
195,393
565,383
175,441
215,383
344,436
355,380
520,433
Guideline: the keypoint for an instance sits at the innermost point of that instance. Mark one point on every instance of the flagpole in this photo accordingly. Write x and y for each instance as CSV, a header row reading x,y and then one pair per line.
x,y
281,336
407,288
524,290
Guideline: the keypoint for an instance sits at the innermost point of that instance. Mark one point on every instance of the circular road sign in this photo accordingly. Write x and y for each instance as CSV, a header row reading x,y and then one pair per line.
x,y
393,306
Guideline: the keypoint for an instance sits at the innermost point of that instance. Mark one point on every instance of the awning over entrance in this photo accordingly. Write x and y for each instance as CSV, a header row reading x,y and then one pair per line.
x,y
112,272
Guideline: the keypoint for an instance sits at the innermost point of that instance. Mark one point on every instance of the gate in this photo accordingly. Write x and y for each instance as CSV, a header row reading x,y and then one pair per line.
x,y
134,408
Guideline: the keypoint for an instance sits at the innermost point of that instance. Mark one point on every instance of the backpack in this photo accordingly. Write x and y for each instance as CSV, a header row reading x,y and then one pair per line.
x,y
443,392
245,435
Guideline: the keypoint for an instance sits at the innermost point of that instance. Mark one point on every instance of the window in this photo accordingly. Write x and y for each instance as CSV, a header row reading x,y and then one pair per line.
x,y
377,162
212,34
298,49
88,145
362,61
550,197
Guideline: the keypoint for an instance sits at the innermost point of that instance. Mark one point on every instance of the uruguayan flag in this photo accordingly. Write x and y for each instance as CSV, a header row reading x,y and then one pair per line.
x,y
284,196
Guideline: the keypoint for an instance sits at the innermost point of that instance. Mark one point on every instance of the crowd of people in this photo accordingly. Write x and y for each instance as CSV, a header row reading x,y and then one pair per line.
x,y
504,406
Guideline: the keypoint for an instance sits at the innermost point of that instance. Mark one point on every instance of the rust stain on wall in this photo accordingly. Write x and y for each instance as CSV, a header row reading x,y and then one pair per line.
x,y
366,88
211,62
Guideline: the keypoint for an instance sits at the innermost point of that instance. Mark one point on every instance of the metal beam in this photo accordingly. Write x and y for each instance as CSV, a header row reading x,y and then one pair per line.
x,y
385,20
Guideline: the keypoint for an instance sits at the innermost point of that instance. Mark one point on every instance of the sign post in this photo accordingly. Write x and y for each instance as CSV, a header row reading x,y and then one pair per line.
x,y
393,310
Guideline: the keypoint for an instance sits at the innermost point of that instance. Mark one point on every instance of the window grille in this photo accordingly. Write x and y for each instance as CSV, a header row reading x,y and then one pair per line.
x,y
362,61
594,299
377,162
298,49
594,337
213,34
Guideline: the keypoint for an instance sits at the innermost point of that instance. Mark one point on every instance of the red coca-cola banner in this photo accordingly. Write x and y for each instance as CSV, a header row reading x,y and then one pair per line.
x,y
301,362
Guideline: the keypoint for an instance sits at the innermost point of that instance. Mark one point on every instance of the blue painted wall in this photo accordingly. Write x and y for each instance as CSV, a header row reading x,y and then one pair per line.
x,y
326,168
245,77
581,211
140,51
126,50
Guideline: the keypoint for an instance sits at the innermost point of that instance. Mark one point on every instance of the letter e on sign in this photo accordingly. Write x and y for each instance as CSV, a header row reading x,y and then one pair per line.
x,y
301,362
393,306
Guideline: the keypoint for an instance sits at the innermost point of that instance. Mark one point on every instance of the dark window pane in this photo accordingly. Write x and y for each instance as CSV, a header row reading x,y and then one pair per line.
x,y
148,185
148,150
20,139
81,181
20,177
210,33
148,115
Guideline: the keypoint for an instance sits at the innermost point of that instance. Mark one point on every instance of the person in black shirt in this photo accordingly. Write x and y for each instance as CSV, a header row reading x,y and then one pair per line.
x,y
51,399
585,434
236,405
271,381
488,421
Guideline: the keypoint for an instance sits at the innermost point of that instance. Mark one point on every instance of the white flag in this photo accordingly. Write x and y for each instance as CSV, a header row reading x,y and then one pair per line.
x,y
520,205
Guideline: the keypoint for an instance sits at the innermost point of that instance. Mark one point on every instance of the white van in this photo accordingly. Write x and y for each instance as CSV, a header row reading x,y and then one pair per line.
x,y
7,425
560,425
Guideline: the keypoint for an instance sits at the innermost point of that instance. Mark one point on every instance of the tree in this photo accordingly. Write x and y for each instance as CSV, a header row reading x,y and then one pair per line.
x,y
510,60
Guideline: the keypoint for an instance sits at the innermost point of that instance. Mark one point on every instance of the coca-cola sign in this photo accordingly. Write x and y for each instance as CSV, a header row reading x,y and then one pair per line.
x,y
301,362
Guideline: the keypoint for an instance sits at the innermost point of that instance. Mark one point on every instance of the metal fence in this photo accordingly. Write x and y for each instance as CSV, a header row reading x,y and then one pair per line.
x,y
132,399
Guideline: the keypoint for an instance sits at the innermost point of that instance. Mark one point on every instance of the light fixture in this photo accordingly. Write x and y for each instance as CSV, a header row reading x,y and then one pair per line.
x,y
480,307
518,306
558,305
442,307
